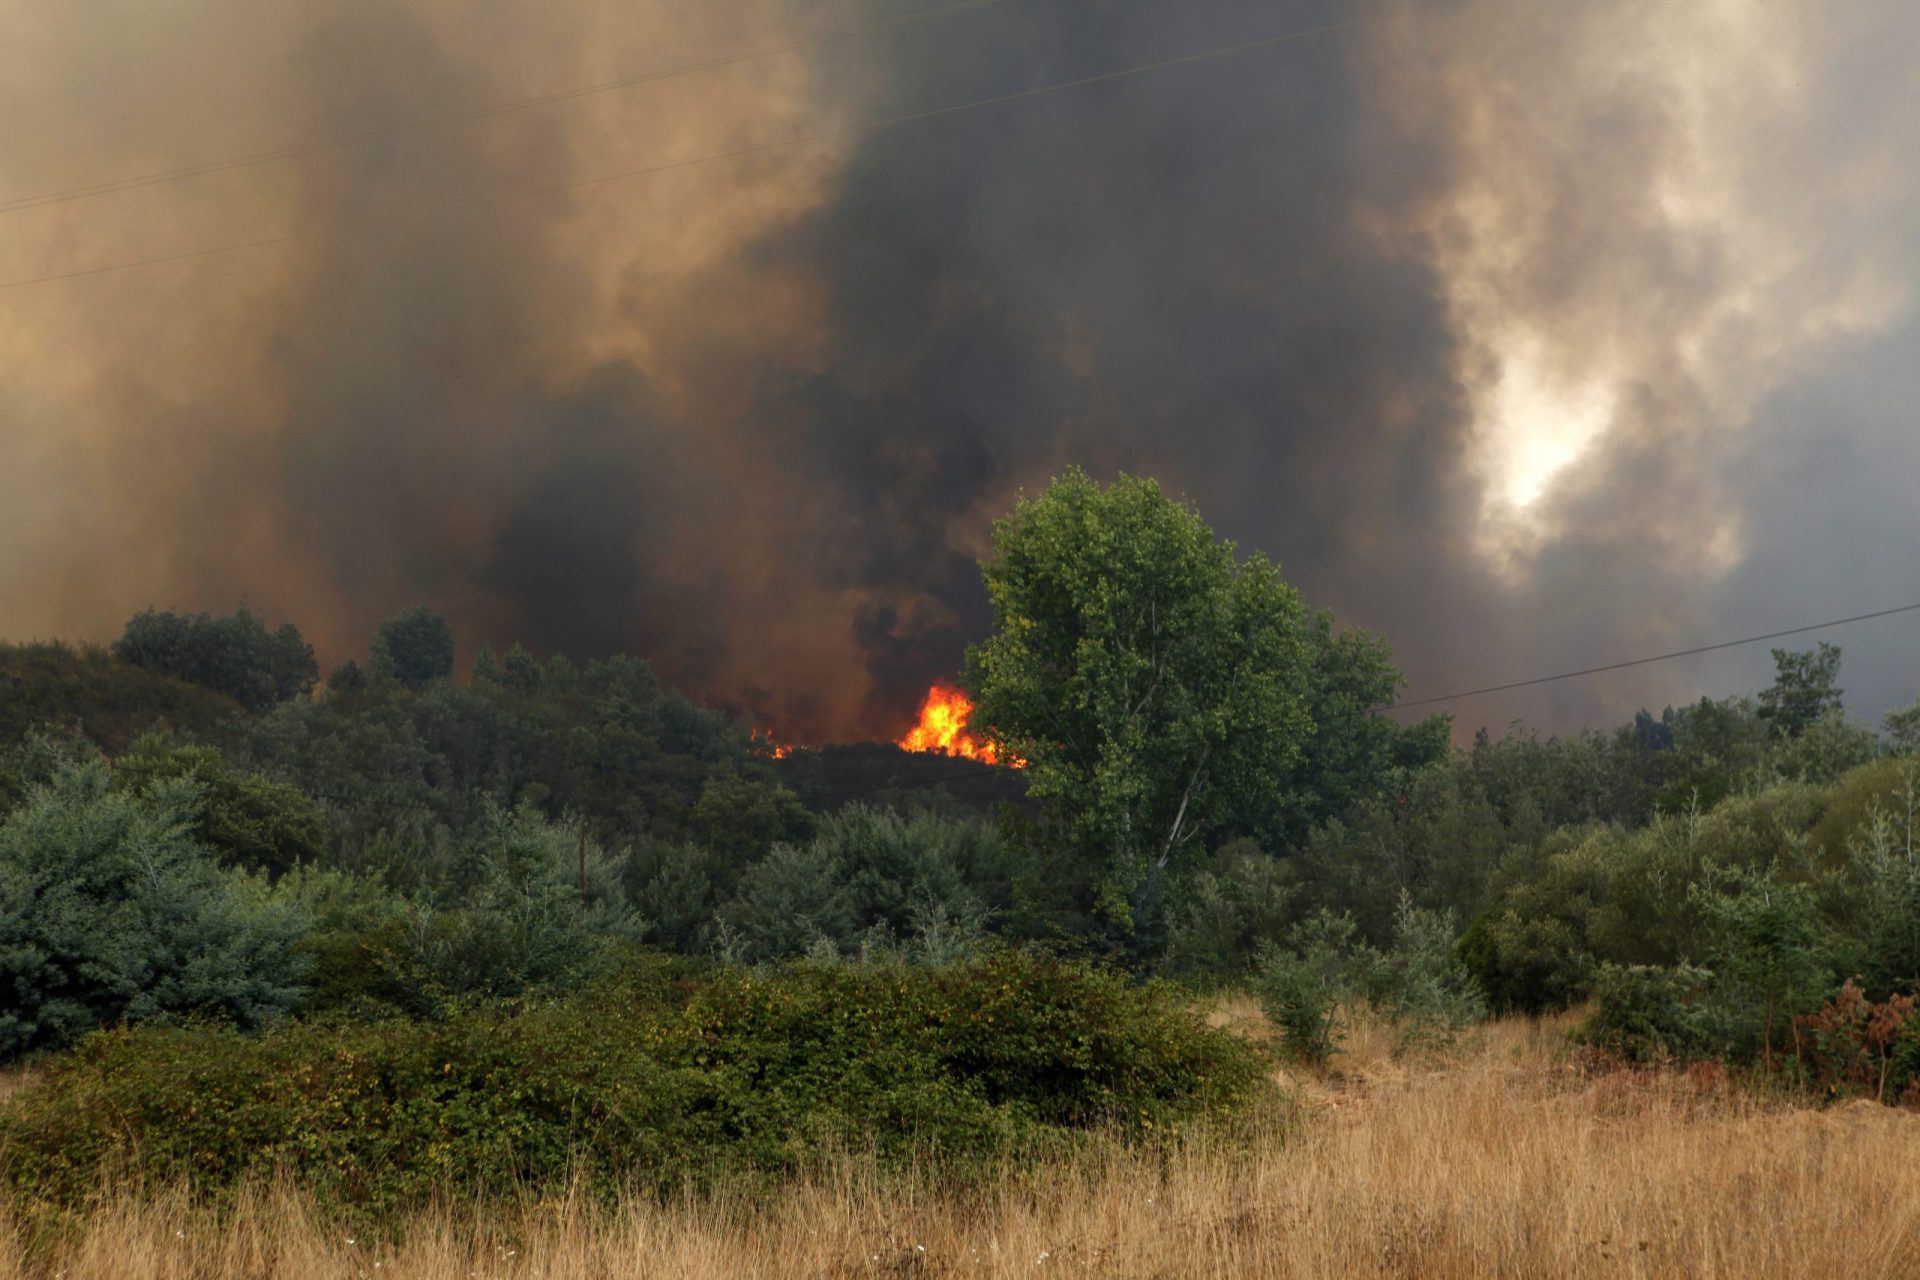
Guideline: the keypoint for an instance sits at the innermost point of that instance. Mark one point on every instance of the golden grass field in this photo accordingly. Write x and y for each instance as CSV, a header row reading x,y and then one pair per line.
x,y
1500,1160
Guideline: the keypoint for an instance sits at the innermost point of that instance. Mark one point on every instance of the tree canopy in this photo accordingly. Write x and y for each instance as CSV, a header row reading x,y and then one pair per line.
x,y
235,655
414,648
1146,674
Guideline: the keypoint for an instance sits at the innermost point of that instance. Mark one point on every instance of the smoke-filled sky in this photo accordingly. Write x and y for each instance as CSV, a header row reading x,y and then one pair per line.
x,y
1533,336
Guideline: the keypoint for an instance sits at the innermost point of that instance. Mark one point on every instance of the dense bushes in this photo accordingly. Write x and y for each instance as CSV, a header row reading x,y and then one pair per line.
x,y
411,844
109,701
1307,985
648,1081
109,910
235,655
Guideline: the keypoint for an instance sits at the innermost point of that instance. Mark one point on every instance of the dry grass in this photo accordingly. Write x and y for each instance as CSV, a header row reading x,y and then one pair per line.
x,y
1501,1161
12,1082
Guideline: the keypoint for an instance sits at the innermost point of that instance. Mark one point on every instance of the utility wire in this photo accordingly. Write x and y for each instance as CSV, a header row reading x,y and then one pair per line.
x,y
1658,657
764,148
991,770
984,770
449,120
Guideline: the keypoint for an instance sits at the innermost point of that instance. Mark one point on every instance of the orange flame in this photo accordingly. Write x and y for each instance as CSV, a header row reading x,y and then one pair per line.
x,y
943,728
762,740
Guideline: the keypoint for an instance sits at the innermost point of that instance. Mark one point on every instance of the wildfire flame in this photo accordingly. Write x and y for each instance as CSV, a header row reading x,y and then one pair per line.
x,y
764,742
942,728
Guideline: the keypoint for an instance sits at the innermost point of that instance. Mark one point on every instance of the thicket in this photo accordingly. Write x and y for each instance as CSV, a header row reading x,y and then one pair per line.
x,y
657,1078
1735,879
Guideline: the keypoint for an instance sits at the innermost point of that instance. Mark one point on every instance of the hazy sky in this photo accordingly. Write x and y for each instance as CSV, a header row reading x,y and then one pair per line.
x,y
1531,335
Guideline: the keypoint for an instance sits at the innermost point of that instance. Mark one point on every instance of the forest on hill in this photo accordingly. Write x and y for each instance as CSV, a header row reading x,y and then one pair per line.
x,y
214,869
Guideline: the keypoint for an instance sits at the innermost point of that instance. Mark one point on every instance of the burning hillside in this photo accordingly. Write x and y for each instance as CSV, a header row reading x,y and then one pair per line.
x,y
942,728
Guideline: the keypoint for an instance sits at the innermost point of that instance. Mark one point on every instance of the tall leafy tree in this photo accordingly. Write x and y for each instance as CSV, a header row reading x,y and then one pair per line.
x,y
1803,688
235,655
414,648
1149,677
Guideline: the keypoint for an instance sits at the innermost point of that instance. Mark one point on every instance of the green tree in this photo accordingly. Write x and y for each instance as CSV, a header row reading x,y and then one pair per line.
x,y
740,819
245,819
110,911
235,655
414,648
1242,901
1802,690
547,910
1903,728
1303,985
789,900
1354,752
1151,679
1770,960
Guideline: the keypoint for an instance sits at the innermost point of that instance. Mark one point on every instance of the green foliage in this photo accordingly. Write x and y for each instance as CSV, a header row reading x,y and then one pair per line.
x,y
366,947
869,875
740,819
1886,865
1803,689
645,1082
1526,964
246,819
674,887
1433,833
52,688
1355,755
1650,1013
787,901
1903,728
1420,982
1824,751
1769,956
36,760
1303,984
110,911
1149,677
1718,749
235,655
414,648
532,920
1242,900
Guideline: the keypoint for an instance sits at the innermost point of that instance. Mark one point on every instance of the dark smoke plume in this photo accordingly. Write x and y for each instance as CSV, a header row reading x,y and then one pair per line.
x,y
1530,337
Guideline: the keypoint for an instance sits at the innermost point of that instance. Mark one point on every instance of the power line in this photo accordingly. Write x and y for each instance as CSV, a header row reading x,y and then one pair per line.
x,y
737,153
1658,657
294,151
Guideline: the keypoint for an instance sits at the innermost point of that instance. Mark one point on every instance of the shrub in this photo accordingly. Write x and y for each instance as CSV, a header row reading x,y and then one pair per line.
x,y
646,1082
530,921
1855,1045
1420,983
109,911
1302,986
1646,1013
1525,964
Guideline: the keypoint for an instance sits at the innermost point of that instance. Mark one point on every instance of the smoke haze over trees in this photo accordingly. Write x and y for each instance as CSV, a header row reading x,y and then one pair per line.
x,y
1530,337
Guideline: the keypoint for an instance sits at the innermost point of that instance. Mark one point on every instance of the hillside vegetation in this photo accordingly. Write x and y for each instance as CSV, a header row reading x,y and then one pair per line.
x,y
554,931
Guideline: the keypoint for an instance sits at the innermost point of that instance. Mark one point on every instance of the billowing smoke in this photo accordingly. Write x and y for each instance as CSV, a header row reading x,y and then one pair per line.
x,y
1530,336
